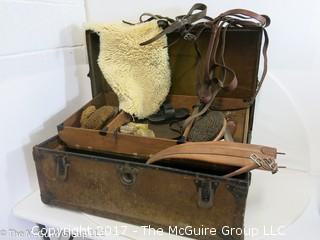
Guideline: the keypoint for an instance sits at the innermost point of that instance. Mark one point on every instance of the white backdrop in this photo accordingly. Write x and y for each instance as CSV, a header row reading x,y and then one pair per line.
x,y
287,109
43,69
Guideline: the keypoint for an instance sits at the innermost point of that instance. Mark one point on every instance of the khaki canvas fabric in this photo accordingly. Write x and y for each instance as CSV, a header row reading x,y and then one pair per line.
x,y
139,75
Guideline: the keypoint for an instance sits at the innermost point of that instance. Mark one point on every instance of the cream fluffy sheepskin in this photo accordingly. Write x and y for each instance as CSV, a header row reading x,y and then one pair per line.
x,y
139,75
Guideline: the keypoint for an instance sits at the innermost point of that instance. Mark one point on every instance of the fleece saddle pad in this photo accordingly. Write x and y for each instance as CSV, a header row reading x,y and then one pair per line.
x,y
139,75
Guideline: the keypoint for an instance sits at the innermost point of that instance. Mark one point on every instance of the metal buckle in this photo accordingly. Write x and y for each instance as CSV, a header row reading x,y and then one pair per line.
x,y
189,37
206,192
268,164
62,166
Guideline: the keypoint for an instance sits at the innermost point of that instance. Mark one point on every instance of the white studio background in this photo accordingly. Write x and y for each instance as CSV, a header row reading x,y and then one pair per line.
x,y
43,79
43,68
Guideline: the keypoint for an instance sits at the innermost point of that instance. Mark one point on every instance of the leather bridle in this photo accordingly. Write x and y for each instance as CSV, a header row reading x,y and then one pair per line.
x,y
191,26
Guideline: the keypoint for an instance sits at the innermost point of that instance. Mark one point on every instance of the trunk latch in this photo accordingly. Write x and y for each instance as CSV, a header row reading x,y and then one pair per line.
x,y
206,191
62,166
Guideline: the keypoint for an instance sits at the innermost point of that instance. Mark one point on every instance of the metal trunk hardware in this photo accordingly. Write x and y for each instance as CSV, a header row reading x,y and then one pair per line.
x,y
62,166
127,174
206,191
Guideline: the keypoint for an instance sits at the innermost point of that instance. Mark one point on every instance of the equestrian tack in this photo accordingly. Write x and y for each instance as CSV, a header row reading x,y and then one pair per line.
x,y
208,87
211,84
192,25
245,156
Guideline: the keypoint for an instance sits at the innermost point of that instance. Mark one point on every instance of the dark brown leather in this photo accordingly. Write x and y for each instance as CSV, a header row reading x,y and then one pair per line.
x,y
240,17
219,25
180,23
234,18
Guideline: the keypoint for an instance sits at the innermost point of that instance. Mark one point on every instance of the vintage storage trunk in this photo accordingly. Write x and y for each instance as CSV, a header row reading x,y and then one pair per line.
x,y
116,183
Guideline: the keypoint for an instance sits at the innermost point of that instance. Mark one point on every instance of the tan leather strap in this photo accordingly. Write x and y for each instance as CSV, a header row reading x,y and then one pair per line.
x,y
221,147
244,156
187,125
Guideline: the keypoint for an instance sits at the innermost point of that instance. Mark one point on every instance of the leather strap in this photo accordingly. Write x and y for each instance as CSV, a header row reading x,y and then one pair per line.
x,y
243,18
265,64
234,17
244,156
222,147
262,20
240,18
181,22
